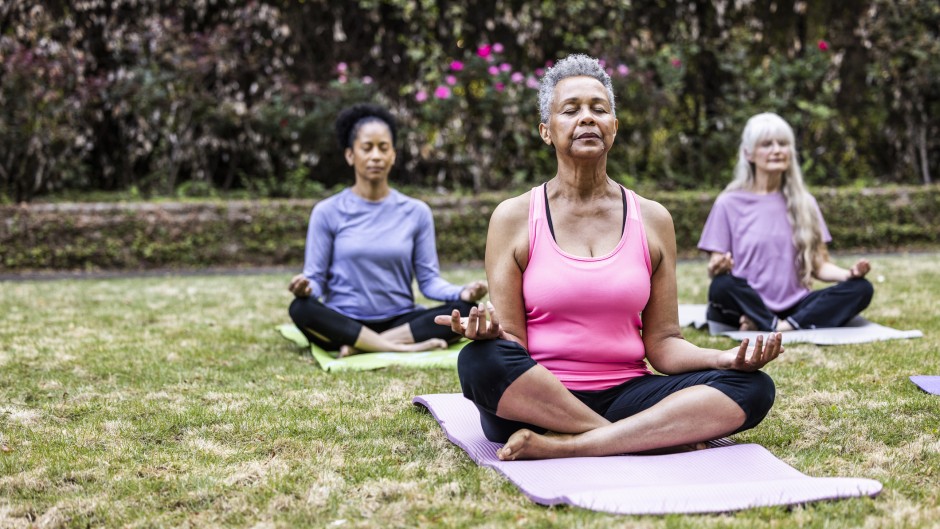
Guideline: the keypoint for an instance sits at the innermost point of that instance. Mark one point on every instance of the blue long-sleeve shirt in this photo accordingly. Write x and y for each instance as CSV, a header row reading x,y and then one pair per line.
x,y
362,256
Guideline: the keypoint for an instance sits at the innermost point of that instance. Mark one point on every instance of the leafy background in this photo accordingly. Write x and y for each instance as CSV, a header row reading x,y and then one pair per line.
x,y
216,97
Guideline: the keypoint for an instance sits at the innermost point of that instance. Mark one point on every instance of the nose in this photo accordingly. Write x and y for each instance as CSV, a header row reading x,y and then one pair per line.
x,y
587,116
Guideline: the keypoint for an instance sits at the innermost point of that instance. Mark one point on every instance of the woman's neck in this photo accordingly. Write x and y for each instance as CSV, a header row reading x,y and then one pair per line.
x,y
767,183
371,191
582,180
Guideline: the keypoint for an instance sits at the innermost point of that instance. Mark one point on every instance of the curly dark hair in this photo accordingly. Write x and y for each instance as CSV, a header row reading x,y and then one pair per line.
x,y
351,119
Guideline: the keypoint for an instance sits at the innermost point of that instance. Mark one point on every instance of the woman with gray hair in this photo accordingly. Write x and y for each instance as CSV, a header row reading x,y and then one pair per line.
x,y
767,242
576,267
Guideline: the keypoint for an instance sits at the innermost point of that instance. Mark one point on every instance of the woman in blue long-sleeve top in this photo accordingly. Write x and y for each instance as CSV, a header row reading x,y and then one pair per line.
x,y
365,245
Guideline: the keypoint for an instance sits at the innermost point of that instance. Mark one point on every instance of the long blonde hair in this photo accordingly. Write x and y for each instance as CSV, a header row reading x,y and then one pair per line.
x,y
807,237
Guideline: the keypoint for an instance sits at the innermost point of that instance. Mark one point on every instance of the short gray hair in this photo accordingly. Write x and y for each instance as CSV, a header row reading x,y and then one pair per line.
x,y
571,66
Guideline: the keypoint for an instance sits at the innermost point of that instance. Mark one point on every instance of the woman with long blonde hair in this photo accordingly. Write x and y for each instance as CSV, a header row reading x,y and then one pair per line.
x,y
767,242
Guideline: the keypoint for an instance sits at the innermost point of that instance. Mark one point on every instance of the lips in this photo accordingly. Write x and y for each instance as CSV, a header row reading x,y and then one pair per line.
x,y
587,136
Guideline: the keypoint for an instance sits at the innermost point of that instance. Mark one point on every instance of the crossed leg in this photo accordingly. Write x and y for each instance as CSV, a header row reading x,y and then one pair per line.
x,y
689,416
397,339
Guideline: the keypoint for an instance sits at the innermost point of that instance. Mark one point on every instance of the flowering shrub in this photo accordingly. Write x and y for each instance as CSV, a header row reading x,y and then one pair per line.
x,y
198,98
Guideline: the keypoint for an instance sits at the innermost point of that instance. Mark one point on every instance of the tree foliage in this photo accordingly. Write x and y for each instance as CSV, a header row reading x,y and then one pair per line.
x,y
201,96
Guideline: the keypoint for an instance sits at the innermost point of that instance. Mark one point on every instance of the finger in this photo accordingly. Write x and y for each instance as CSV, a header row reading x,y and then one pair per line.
x,y
443,319
494,320
779,349
481,322
758,350
455,324
742,352
471,331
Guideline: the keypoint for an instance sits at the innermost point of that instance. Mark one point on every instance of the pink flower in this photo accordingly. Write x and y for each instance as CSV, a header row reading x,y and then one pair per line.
x,y
676,63
499,87
442,92
366,79
517,77
532,82
623,70
493,70
497,48
484,50
342,79
451,80
342,67
601,62
549,64
505,67
539,72
456,66
421,96
823,45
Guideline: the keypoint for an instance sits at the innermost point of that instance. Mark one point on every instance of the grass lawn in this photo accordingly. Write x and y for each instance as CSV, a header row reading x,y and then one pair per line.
x,y
171,401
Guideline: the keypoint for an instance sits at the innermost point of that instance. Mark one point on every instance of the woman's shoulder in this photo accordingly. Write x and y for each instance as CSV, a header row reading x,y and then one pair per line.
x,y
652,210
513,210
330,203
407,205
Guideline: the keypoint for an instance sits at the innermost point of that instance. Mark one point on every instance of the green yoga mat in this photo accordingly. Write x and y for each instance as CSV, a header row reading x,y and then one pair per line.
x,y
367,361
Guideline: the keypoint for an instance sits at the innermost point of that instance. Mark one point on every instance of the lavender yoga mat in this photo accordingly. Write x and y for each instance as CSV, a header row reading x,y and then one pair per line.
x,y
930,384
720,479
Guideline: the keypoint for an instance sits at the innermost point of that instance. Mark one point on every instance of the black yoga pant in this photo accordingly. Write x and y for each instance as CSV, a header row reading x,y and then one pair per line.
x,y
330,330
729,297
487,368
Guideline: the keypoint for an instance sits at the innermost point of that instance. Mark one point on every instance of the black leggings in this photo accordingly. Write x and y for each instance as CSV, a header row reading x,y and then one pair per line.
x,y
729,297
331,330
486,368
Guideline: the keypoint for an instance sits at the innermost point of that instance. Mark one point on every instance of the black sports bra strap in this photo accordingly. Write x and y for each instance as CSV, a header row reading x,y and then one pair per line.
x,y
548,211
623,193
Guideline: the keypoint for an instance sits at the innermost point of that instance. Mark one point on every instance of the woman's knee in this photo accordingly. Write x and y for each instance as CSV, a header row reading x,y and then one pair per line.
x,y
464,306
297,310
759,395
720,287
487,367
478,358
864,291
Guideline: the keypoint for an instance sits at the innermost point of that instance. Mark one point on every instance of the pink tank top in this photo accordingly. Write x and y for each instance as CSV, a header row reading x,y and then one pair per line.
x,y
583,313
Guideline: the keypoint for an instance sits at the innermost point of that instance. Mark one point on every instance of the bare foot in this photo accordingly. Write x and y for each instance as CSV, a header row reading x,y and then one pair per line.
x,y
526,444
746,324
427,345
347,350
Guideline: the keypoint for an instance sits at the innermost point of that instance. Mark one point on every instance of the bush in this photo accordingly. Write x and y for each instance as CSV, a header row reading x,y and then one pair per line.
x,y
272,232
203,98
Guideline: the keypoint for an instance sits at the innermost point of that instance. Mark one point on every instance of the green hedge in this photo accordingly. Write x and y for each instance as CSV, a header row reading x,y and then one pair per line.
x,y
272,232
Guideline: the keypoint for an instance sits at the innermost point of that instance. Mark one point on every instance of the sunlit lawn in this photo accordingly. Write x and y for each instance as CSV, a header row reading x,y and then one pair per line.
x,y
171,401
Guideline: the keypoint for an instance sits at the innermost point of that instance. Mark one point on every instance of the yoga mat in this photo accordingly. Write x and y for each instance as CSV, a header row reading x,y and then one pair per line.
x,y
446,358
857,330
930,384
693,316
720,479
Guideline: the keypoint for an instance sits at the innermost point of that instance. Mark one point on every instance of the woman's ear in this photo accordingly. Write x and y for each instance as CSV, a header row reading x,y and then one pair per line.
x,y
747,155
349,156
545,133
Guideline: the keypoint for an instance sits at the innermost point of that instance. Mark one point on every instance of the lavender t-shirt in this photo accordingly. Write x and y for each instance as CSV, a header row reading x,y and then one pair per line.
x,y
756,230
362,256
